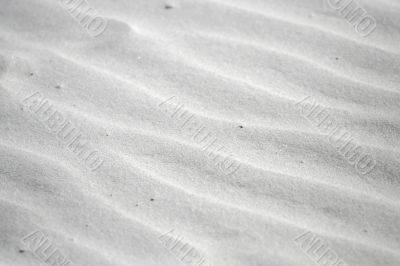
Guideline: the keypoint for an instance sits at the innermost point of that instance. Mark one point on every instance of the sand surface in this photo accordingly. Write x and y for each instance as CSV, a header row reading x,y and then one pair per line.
x,y
140,187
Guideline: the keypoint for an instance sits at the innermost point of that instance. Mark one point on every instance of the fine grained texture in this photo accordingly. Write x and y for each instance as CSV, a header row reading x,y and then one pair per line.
x,y
239,67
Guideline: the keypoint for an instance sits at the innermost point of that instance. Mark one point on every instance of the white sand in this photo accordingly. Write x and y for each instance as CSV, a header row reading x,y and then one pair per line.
x,y
239,67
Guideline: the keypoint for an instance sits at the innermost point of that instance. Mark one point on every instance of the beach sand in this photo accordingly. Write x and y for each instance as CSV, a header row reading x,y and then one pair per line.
x,y
192,138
